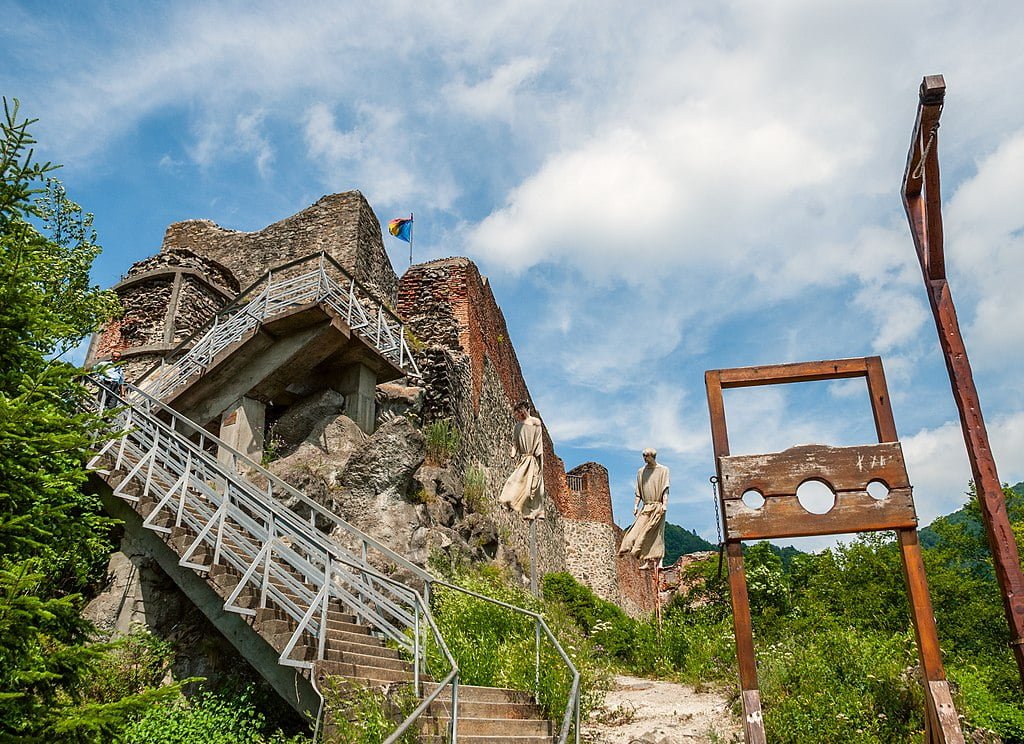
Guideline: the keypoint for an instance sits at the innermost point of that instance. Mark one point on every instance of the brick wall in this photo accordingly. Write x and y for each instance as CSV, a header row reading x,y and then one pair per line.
x,y
342,225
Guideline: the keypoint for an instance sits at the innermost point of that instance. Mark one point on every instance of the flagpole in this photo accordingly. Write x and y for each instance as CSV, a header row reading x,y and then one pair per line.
x,y
412,228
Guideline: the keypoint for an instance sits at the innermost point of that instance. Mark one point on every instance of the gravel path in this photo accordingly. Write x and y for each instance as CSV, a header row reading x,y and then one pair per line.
x,y
645,711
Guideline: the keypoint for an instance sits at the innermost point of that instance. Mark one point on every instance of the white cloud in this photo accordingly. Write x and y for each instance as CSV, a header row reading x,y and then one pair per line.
x,y
496,95
939,469
984,243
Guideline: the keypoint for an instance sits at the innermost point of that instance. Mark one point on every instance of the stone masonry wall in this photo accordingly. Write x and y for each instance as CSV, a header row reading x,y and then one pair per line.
x,y
166,298
342,225
471,375
590,546
590,557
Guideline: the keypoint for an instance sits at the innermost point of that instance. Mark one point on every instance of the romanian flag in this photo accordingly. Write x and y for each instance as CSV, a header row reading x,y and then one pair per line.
x,y
401,228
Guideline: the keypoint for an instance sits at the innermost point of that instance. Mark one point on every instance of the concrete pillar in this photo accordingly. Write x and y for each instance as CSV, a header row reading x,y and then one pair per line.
x,y
359,386
241,426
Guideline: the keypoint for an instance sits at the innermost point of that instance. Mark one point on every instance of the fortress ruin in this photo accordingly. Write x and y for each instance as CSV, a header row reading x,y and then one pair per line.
x,y
468,370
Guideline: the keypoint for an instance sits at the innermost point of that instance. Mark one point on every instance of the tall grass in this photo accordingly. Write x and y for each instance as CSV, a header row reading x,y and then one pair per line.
x,y
496,647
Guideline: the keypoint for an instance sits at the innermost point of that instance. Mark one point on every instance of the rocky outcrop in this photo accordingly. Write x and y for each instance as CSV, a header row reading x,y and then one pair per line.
x,y
394,399
380,484
307,419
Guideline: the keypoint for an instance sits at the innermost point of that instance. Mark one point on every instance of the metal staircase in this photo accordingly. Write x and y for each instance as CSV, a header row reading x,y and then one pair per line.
x,y
314,279
296,586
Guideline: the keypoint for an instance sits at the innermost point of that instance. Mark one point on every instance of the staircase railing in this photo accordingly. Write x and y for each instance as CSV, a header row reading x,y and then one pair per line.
x,y
310,279
287,548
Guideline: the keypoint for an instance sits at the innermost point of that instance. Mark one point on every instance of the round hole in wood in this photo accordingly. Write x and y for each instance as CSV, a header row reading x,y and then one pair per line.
x,y
753,498
816,496
878,490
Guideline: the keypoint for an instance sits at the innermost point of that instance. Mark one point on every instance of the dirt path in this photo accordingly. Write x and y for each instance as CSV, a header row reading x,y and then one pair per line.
x,y
645,711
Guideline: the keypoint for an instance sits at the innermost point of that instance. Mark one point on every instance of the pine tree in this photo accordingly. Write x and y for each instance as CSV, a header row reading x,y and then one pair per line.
x,y
54,539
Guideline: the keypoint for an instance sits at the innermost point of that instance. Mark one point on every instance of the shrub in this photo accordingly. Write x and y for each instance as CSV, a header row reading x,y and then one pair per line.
x,y
132,664
442,440
208,717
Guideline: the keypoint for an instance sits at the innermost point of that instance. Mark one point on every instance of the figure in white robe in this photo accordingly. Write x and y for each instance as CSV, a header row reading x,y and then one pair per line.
x,y
646,538
524,489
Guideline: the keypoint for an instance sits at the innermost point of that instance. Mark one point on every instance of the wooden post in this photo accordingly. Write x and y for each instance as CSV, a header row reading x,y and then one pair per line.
x,y
533,558
921,199
848,470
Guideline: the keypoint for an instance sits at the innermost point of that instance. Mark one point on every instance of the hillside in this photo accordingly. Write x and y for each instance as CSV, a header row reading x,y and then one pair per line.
x,y
969,517
680,541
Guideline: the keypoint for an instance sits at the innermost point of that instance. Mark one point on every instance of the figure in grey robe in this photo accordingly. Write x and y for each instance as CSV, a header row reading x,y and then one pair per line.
x,y
646,538
524,489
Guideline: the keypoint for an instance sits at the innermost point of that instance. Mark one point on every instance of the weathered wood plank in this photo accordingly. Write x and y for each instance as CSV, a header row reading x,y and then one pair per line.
x,y
783,516
780,374
842,468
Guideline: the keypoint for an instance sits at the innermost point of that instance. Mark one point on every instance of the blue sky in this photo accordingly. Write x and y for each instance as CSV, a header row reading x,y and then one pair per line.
x,y
654,189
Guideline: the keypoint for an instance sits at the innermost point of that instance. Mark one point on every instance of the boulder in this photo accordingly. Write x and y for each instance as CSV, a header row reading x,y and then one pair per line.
x,y
394,399
307,418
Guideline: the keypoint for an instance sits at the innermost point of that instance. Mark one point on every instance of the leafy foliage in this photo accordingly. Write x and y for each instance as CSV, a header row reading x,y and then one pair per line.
x,y
496,647
53,537
209,717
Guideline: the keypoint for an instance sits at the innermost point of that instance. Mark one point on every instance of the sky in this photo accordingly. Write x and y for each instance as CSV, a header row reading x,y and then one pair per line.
x,y
653,190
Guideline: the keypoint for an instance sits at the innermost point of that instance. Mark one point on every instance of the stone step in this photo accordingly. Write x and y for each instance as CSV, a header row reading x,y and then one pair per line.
x,y
509,738
381,661
490,727
477,709
473,693
369,675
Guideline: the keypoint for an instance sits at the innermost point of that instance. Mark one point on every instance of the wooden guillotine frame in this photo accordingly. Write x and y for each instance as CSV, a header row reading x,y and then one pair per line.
x,y
847,471
923,204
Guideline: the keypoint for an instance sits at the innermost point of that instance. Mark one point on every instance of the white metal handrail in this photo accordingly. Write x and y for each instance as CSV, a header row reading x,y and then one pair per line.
x,y
572,706
326,281
284,555
238,520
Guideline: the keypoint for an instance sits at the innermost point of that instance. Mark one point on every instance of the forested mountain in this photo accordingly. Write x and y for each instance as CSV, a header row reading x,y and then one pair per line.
x,y
970,519
680,541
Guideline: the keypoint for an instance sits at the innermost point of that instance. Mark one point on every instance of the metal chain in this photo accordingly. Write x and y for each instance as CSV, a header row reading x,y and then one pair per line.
x,y
718,522
714,495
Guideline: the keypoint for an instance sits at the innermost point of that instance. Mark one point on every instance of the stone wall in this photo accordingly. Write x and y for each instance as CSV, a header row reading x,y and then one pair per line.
x,y
342,225
590,544
472,376
166,298
590,557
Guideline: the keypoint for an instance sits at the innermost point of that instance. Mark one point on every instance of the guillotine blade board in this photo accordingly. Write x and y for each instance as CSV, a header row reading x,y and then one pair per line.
x,y
850,473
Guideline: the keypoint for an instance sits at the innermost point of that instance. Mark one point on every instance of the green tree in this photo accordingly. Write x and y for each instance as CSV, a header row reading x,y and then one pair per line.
x,y
53,537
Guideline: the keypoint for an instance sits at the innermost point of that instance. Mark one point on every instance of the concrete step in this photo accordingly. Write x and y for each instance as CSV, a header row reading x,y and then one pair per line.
x,y
476,709
380,661
490,727
473,693
510,738
369,675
